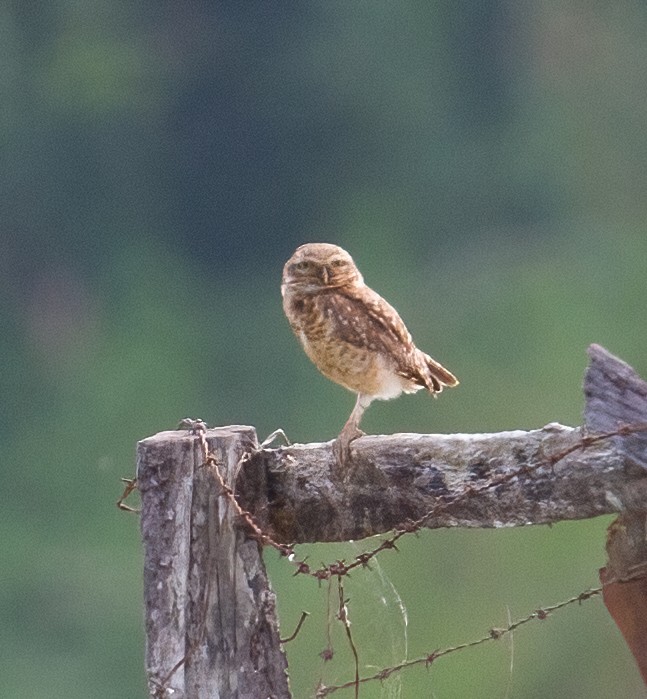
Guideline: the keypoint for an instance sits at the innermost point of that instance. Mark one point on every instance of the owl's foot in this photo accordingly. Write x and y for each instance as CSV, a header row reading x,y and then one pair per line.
x,y
341,446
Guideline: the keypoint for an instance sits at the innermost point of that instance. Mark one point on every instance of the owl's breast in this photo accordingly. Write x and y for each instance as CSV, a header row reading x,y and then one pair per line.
x,y
322,330
359,369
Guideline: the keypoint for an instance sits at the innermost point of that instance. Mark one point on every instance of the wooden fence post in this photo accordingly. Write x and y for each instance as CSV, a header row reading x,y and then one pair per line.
x,y
211,625
210,614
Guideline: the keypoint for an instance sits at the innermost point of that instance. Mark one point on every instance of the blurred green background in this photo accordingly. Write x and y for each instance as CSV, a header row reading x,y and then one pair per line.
x,y
485,164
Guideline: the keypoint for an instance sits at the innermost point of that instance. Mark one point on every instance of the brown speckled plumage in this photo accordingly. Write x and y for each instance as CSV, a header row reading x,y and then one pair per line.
x,y
351,333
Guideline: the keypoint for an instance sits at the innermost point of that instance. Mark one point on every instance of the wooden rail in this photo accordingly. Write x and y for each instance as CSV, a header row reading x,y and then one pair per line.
x,y
211,622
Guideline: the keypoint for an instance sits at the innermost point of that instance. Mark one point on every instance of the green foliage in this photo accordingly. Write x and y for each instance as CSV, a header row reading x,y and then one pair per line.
x,y
484,166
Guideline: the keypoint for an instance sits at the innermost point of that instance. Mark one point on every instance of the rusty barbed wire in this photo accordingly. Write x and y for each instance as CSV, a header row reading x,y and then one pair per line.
x,y
340,568
129,487
295,633
342,615
494,634
594,437
446,501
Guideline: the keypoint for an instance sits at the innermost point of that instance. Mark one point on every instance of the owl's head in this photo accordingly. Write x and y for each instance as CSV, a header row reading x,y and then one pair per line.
x,y
315,266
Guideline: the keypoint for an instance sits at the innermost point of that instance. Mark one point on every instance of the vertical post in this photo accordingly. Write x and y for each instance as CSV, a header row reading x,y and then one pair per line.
x,y
211,623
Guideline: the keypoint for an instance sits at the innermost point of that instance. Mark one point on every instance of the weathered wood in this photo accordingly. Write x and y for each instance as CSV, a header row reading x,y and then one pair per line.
x,y
403,476
616,396
210,612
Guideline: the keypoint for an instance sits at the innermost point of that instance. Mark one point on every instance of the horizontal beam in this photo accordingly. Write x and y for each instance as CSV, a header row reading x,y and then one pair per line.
x,y
470,480
505,479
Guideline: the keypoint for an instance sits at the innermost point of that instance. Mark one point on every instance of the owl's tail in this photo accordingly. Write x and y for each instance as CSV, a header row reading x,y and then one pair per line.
x,y
436,375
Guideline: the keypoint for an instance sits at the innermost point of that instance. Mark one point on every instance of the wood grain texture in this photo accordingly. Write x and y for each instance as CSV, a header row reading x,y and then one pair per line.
x,y
404,476
401,477
207,596
617,396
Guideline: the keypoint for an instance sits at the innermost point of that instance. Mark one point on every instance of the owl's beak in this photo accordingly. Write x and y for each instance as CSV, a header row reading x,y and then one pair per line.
x,y
325,275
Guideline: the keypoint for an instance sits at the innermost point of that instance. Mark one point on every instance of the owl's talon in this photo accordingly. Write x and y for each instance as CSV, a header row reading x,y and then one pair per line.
x,y
341,450
341,446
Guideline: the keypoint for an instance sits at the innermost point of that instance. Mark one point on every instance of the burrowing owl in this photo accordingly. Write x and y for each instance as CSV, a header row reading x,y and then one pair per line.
x,y
352,334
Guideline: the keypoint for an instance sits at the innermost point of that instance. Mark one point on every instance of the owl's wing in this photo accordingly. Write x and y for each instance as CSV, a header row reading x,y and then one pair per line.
x,y
364,319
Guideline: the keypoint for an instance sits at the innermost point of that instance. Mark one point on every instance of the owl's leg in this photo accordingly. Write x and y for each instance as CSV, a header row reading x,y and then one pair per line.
x,y
350,430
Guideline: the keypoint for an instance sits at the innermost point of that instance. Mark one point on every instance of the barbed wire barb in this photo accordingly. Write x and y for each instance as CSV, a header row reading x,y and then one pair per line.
x,y
494,634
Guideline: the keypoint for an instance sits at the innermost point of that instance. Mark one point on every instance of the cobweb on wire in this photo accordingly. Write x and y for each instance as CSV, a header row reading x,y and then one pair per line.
x,y
379,624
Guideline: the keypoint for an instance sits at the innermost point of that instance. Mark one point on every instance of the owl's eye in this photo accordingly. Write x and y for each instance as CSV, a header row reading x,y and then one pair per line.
x,y
302,266
338,262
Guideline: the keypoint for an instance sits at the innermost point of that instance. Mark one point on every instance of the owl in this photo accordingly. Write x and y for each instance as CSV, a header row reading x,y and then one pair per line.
x,y
353,336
